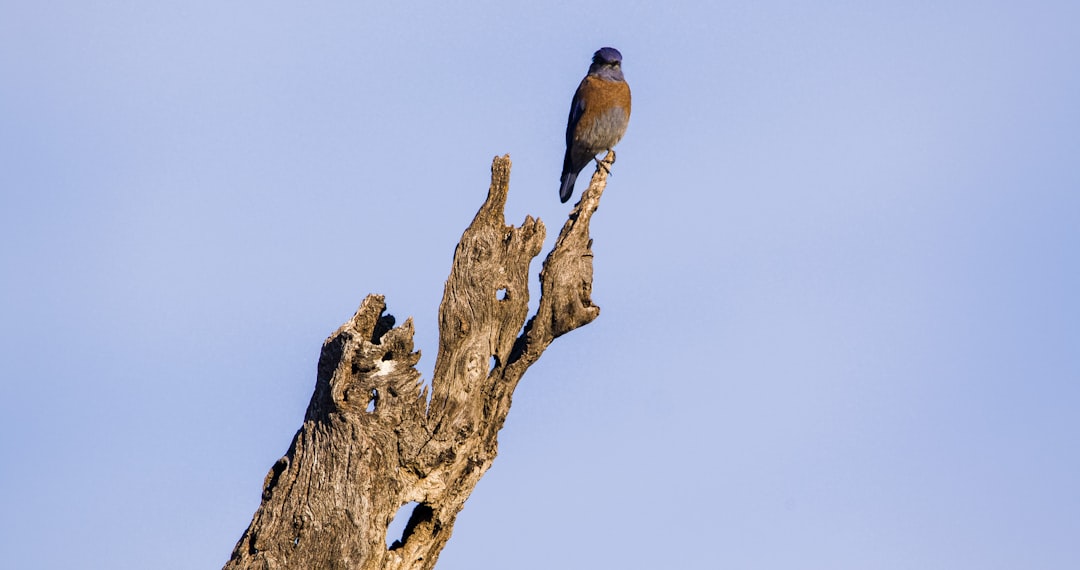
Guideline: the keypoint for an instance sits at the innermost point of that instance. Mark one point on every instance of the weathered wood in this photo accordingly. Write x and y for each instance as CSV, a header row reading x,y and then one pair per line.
x,y
371,439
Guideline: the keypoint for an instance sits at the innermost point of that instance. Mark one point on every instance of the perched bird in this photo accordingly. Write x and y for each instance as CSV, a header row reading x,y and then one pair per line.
x,y
599,114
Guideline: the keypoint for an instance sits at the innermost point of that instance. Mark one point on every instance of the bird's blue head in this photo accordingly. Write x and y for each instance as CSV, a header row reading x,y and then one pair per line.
x,y
607,63
607,55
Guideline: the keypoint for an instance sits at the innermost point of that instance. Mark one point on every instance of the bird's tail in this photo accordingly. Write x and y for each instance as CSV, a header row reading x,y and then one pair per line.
x,y
567,188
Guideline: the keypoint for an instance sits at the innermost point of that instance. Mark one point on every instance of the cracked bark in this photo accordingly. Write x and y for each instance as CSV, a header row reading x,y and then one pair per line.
x,y
371,442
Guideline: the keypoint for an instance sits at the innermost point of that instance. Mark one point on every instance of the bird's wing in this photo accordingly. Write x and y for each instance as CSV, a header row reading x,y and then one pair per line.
x,y
577,108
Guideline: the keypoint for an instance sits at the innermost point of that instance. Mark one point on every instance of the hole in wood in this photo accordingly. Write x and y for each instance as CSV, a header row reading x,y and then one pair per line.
x,y
395,533
408,517
494,363
372,401
502,293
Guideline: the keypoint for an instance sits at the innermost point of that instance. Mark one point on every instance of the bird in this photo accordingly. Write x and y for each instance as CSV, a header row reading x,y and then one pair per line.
x,y
598,117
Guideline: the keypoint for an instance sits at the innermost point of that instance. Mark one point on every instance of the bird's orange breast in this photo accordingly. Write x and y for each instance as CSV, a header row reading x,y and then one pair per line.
x,y
606,113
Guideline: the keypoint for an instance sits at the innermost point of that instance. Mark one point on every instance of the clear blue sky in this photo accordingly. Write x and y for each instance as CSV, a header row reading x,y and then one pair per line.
x,y
837,264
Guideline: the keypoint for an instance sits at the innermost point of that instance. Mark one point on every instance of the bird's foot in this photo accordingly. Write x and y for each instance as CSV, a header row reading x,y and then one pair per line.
x,y
602,162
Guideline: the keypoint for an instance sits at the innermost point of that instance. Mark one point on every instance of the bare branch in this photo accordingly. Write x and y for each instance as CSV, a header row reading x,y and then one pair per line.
x,y
371,442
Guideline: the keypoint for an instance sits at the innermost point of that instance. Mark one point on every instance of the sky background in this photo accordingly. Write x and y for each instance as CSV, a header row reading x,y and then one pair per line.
x,y
837,265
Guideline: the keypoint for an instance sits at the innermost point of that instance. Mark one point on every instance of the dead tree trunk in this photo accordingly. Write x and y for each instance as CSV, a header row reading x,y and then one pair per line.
x,y
371,441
